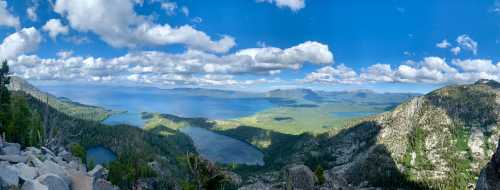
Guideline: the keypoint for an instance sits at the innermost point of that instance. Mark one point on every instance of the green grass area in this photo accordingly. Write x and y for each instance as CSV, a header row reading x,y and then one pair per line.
x,y
298,120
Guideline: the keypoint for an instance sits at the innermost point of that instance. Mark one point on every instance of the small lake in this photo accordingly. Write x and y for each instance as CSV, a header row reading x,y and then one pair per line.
x,y
348,115
100,155
223,149
136,100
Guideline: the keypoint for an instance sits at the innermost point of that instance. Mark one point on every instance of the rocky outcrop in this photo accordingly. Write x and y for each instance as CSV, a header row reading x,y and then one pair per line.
x,y
299,177
489,179
41,169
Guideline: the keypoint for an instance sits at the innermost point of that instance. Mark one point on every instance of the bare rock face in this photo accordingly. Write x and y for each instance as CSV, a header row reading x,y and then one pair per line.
x,y
9,177
490,175
10,149
53,181
33,185
299,177
39,169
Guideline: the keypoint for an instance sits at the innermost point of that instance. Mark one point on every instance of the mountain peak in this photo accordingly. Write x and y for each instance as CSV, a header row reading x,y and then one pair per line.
x,y
489,82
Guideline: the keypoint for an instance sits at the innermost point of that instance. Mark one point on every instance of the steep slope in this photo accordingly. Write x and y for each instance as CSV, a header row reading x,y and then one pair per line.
x,y
437,141
442,139
490,175
61,104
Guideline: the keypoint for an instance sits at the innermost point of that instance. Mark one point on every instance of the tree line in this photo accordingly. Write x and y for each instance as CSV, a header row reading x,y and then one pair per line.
x,y
18,123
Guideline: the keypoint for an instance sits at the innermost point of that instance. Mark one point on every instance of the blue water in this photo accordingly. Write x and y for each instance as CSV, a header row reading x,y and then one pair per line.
x,y
134,101
130,118
352,114
138,100
100,155
223,149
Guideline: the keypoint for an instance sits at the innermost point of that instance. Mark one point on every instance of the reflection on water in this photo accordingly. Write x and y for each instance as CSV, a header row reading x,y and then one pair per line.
x,y
100,155
223,149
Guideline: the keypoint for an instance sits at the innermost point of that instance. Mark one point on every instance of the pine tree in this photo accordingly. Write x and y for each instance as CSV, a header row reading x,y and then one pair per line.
x,y
5,113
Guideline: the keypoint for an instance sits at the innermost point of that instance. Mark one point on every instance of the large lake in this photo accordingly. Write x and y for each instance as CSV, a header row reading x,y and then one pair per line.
x,y
138,100
212,146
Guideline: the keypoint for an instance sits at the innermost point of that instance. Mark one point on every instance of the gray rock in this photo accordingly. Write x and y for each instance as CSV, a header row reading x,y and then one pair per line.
x,y
256,186
14,158
101,184
9,176
45,150
34,150
34,161
98,172
77,165
53,182
65,155
26,172
299,177
51,167
11,148
34,185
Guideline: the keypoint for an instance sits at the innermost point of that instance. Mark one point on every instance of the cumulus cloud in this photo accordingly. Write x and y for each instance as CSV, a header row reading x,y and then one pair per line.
x,y
330,74
31,12
294,5
443,44
430,70
190,67
23,41
169,7
455,50
54,27
6,18
467,43
118,25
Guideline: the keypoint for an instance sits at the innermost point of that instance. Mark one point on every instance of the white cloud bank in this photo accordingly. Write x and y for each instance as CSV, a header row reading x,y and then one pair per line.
x,y
294,5
118,25
159,68
433,70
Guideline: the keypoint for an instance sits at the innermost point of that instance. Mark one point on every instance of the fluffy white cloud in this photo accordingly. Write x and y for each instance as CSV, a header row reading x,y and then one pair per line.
x,y
467,43
378,73
455,50
31,12
429,70
169,7
294,5
443,44
118,25
329,74
54,27
190,67
6,18
23,41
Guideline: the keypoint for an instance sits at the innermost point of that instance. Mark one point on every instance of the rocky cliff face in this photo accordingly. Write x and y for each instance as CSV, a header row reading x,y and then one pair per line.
x,y
46,169
440,140
490,175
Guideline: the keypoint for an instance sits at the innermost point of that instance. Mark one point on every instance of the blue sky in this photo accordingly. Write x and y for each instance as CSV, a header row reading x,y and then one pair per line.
x,y
253,44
